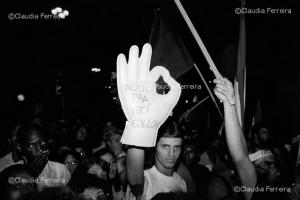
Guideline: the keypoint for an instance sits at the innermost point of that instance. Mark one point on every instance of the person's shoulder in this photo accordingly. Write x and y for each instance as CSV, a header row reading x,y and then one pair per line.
x,y
61,170
178,178
150,170
7,161
176,174
147,172
6,157
55,164
150,175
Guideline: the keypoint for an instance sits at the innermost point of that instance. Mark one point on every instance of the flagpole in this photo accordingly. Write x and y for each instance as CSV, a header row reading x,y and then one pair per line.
x,y
195,106
212,65
208,89
240,77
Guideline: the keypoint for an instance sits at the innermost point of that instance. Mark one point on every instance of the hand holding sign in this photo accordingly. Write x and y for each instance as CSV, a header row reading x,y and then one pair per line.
x,y
145,109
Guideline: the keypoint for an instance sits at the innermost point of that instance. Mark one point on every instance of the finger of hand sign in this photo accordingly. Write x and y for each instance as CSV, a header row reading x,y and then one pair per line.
x,y
175,89
121,69
133,62
144,61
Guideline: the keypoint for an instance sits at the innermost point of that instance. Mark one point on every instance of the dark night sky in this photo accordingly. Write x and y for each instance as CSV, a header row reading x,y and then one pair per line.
x,y
96,31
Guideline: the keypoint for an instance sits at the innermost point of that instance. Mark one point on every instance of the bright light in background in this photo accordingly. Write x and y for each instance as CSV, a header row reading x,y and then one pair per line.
x,y
66,12
95,69
58,11
20,97
54,12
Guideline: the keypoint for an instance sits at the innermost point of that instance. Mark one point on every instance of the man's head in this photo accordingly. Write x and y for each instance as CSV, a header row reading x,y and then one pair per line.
x,y
81,132
93,188
261,134
265,166
189,154
31,141
112,137
168,146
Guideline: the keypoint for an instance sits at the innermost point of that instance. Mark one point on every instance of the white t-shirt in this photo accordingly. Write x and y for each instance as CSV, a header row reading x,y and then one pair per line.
x,y
54,174
156,182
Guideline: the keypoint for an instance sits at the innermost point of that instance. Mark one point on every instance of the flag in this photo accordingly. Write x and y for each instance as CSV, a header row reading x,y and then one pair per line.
x,y
169,50
240,77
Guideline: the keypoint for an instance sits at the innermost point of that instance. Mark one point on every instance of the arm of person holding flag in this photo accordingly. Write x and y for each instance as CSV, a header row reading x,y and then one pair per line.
x,y
144,108
234,135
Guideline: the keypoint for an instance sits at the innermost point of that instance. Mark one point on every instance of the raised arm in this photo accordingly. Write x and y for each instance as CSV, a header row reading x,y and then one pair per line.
x,y
145,109
135,170
234,135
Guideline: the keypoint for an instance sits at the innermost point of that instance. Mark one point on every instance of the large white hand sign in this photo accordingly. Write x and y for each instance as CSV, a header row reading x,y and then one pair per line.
x,y
145,109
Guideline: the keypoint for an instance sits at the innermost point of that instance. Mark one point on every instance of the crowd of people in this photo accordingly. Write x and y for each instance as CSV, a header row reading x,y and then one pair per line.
x,y
92,161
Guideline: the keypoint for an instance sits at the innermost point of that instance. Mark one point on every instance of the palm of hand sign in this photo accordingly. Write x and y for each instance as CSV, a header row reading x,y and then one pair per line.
x,y
144,108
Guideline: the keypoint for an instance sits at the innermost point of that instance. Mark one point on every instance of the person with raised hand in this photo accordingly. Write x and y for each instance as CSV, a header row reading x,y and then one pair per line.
x,y
146,111
235,137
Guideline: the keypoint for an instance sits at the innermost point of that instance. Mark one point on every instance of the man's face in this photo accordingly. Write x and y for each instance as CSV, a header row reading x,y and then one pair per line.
x,y
263,135
168,151
114,142
81,134
34,146
189,155
266,169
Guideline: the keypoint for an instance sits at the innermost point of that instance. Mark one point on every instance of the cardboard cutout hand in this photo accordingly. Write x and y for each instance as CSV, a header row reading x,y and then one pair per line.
x,y
145,109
